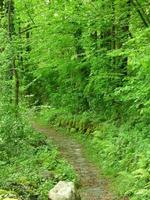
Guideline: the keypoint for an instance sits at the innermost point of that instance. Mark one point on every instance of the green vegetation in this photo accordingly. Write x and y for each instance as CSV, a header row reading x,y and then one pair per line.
x,y
88,62
121,151
30,165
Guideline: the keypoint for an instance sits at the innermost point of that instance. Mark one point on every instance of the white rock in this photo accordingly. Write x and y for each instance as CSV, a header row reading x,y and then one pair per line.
x,y
9,199
63,191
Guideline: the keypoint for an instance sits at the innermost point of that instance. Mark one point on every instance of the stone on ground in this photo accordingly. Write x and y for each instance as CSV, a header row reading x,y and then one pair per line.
x,y
64,191
8,198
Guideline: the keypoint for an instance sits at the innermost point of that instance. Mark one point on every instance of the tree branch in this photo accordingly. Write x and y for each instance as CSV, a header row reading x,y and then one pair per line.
x,y
140,13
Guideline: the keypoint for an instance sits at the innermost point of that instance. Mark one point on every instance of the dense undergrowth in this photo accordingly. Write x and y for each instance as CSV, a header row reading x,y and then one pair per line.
x,y
90,61
122,151
29,164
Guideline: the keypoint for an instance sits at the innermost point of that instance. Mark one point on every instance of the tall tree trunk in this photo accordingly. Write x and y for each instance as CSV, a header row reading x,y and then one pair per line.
x,y
123,35
1,6
126,32
113,34
13,68
120,34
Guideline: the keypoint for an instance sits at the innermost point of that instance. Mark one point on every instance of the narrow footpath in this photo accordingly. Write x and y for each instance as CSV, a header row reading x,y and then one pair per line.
x,y
93,185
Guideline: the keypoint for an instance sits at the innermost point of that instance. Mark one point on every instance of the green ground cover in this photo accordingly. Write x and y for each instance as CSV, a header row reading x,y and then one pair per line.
x,y
30,164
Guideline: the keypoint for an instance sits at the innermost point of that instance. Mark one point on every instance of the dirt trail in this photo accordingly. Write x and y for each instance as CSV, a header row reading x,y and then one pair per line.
x,y
93,185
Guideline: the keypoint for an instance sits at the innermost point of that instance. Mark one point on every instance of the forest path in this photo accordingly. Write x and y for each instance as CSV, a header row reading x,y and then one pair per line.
x,y
93,185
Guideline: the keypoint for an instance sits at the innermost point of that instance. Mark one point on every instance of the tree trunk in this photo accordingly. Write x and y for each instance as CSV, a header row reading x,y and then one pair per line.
x,y
1,6
13,69
122,37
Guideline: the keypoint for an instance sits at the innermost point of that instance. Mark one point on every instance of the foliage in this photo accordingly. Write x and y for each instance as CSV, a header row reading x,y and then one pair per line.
x,y
30,165
122,152
88,62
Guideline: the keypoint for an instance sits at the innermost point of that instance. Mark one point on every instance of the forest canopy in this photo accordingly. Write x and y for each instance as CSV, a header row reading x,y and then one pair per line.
x,y
88,62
